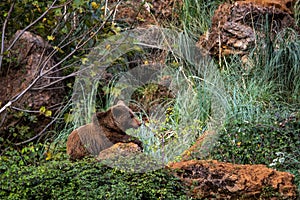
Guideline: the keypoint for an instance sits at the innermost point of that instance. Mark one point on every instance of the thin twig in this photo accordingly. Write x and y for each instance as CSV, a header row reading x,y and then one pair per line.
x,y
42,131
24,110
3,32
56,81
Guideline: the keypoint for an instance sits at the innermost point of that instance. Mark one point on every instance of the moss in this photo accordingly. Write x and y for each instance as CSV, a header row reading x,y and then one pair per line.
x,y
85,180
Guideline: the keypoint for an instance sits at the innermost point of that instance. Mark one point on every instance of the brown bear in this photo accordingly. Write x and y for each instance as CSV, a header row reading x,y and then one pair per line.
x,y
107,128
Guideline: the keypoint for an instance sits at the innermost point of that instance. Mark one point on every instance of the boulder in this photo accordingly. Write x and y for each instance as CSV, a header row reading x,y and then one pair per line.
x,y
119,150
236,28
219,180
30,57
143,13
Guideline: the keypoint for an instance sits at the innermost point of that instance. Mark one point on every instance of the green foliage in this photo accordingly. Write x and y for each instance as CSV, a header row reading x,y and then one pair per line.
x,y
278,62
85,180
196,15
241,140
67,25
31,155
272,139
57,19
21,129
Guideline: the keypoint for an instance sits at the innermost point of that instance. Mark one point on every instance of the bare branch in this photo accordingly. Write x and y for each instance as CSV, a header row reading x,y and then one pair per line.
x,y
23,110
3,33
56,81
41,132
5,106
62,5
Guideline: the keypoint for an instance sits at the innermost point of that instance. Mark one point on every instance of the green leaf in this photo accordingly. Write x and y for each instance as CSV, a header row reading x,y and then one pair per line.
x,y
58,12
68,117
78,3
50,37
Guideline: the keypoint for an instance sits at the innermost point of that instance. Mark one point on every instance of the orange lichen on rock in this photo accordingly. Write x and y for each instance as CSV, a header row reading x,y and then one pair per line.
x,y
284,5
119,150
213,179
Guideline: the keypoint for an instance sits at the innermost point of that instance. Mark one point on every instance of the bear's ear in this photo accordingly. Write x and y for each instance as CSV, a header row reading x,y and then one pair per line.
x,y
120,102
99,115
117,111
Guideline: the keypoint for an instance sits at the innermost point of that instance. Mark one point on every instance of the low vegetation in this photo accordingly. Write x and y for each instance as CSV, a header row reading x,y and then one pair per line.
x,y
86,179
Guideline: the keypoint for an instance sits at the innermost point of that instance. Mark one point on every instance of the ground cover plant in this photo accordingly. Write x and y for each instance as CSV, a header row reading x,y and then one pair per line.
x,y
85,180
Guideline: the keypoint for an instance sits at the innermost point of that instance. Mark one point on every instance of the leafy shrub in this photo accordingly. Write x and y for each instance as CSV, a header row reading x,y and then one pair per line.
x,y
271,133
273,140
85,180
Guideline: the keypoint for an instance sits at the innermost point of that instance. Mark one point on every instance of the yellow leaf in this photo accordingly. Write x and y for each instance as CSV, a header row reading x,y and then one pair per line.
x,y
48,155
107,47
93,74
43,109
48,113
50,37
115,28
69,85
94,5
84,60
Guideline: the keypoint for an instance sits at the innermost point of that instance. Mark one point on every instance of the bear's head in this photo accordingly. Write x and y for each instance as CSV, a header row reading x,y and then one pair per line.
x,y
123,117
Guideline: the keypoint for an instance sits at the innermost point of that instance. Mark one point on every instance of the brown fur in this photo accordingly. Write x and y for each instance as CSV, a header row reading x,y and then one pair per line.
x,y
106,129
